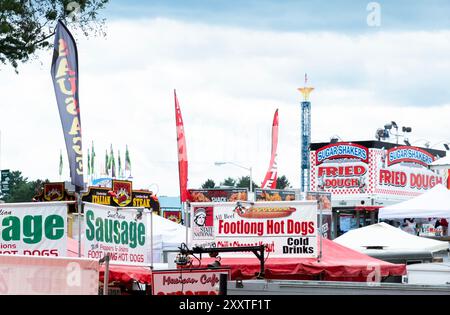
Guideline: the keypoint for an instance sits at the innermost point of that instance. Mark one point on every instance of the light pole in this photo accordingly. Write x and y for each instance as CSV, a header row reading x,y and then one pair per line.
x,y
245,168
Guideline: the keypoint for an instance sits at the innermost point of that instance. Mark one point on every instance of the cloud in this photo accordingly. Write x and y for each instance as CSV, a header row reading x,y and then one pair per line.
x,y
229,81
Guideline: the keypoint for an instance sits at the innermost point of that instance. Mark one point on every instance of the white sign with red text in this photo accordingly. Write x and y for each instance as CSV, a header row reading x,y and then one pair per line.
x,y
287,228
404,170
352,169
121,233
37,229
187,282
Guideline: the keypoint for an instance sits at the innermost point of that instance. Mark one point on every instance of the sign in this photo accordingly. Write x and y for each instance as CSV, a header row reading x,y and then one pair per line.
x,y
174,216
105,196
98,195
64,72
344,169
5,178
218,195
404,170
187,282
343,150
274,194
145,199
25,275
54,192
323,204
410,155
122,193
287,228
38,229
120,233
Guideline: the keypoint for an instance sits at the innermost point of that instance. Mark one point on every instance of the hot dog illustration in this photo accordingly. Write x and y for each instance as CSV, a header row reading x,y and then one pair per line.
x,y
263,212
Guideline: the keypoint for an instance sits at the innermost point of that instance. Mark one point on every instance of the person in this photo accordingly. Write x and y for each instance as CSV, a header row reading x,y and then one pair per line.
x,y
200,217
444,223
409,226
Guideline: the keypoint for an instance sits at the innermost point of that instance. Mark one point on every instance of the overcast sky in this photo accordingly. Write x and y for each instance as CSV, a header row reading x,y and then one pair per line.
x,y
233,64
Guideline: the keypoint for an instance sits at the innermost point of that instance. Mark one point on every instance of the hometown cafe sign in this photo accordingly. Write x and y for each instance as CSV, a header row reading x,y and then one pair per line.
x,y
38,229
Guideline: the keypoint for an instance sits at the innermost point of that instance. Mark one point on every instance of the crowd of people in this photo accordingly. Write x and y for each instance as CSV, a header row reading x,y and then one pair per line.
x,y
430,226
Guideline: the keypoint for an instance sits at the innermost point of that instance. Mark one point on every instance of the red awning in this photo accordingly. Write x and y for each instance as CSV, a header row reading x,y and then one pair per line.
x,y
121,273
338,263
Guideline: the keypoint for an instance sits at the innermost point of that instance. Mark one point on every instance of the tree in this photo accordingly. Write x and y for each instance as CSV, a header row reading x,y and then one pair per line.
x,y
229,182
244,182
282,182
26,26
208,184
20,190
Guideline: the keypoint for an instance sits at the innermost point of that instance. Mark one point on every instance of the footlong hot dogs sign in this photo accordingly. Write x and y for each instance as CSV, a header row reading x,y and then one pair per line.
x,y
287,228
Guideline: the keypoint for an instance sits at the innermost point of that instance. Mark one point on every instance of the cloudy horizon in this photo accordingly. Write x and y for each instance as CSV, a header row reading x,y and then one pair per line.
x,y
230,78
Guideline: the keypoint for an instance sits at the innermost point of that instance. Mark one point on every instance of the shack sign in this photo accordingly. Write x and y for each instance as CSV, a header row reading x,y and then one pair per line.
x,y
187,282
287,228
217,195
37,229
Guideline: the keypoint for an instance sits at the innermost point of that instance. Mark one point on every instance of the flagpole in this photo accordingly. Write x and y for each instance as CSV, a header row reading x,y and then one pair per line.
x,y
79,203
185,207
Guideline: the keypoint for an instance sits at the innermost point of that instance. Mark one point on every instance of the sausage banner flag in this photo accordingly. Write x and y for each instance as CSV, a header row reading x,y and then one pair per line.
x,y
64,73
270,181
182,152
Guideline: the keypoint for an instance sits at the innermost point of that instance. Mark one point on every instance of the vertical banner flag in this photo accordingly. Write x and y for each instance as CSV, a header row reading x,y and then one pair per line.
x,y
112,163
106,163
270,181
92,158
127,161
119,161
64,73
89,163
182,152
60,163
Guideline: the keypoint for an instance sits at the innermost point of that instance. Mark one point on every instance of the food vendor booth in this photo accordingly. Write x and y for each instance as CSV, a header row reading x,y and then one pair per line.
x,y
364,176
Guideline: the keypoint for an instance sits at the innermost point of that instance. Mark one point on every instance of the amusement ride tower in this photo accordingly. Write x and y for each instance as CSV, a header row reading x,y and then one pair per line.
x,y
305,136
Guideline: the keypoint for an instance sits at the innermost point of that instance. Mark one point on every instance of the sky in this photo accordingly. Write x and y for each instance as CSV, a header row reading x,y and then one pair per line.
x,y
233,63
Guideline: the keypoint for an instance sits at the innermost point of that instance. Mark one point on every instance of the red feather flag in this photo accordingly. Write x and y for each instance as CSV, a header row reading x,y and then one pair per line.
x,y
182,152
270,181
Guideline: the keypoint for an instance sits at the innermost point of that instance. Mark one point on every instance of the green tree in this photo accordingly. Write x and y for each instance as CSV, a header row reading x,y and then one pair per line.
x,y
20,189
244,182
282,182
229,182
209,184
26,26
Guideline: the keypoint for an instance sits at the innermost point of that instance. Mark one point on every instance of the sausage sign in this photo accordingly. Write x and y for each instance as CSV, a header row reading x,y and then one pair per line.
x,y
35,229
121,233
287,228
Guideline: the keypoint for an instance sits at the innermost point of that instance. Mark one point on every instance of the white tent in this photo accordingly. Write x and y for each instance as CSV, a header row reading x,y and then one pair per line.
x,y
443,163
167,235
389,239
434,203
